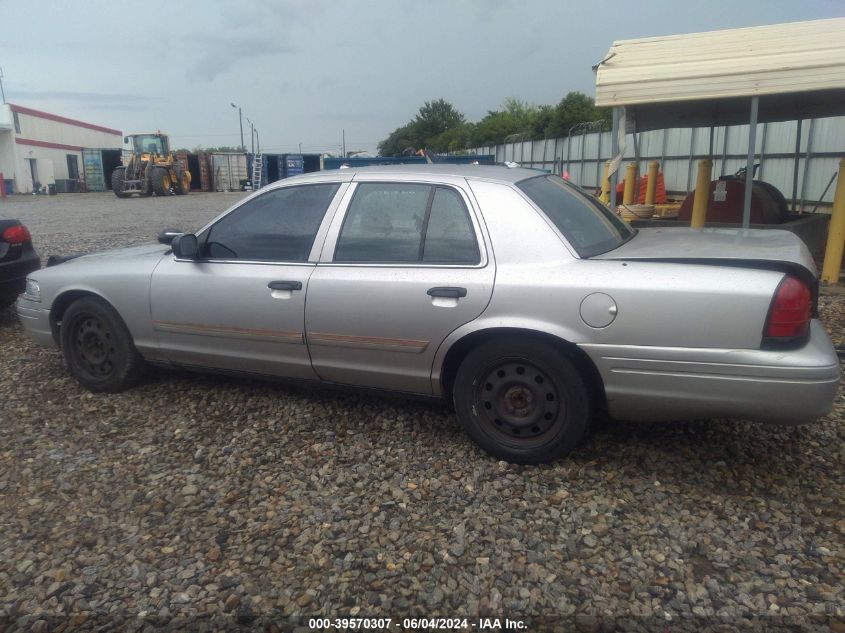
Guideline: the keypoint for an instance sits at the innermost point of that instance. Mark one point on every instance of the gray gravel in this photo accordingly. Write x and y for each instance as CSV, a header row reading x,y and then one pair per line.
x,y
208,501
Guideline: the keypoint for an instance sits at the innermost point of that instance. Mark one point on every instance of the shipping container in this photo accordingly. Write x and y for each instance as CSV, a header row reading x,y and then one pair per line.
x,y
199,166
277,166
98,165
229,171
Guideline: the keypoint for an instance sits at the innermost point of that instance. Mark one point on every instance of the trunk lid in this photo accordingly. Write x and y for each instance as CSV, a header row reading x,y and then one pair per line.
x,y
744,248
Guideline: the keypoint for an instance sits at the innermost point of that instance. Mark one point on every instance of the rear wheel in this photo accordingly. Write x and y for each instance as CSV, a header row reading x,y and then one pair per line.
x,y
161,182
521,400
117,178
98,347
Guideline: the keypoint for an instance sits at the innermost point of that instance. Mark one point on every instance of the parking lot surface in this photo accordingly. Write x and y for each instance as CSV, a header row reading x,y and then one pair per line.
x,y
204,498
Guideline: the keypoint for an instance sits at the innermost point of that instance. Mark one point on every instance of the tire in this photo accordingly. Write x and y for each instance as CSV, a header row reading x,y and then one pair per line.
x,y
184,185
117,177
98,348
161,182
521,400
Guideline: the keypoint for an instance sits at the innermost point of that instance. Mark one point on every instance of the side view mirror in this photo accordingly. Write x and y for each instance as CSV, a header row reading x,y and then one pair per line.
x,y
185,246
167,235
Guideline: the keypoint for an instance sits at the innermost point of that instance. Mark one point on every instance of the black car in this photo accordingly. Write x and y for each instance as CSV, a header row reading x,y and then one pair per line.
x,y
17,259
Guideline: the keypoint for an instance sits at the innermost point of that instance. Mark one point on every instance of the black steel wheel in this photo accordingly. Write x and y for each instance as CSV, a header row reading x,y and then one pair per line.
x,y
97,346
522,401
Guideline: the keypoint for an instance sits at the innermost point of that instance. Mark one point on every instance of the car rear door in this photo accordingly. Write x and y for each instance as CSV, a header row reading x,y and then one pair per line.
x,y
404,266
241,306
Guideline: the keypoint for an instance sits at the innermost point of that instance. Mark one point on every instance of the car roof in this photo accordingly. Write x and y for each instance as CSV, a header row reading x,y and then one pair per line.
x,y
496,173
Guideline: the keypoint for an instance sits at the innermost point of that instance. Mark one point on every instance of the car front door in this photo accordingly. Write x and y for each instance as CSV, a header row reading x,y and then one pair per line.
x,y
241,305
401,269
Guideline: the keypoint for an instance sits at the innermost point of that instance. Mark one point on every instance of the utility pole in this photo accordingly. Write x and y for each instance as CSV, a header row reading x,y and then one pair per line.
x,y
251,135
1,85
241,121
300,148
344,143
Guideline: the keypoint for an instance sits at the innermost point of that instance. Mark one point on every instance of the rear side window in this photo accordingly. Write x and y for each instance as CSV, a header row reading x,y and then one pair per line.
x,y
405,223
279,225
384,223
588,225
449,236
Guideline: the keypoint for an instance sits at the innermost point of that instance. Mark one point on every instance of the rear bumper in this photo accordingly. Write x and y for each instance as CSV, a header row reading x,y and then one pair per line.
x,y
667,383
13,274
36,321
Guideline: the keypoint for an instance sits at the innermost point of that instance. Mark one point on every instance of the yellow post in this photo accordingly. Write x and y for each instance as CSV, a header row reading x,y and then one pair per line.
x,y
702,193
835,231
605,184
630,183
651,186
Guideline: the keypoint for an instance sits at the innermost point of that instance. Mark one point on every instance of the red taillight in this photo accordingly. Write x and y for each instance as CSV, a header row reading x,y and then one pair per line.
x,y
789,316
17,234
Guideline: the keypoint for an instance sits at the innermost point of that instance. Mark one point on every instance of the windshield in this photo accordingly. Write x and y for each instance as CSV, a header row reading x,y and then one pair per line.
x,y
149,144
589,226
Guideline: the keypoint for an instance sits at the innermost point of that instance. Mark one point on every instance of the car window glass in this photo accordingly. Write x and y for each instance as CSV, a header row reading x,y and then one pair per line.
x,y
588,225
384,223
449,237
279,225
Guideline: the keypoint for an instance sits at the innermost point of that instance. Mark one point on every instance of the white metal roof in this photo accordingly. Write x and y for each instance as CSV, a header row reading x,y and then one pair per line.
x,y
719,67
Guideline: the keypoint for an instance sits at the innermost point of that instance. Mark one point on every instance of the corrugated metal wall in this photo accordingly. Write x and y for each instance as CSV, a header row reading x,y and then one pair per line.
x,y
678,150
228,171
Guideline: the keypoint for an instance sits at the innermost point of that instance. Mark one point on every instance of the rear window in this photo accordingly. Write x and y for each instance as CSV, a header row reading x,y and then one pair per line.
x,y
589,226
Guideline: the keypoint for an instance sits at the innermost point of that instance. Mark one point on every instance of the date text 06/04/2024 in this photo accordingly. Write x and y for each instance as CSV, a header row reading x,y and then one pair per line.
x,y
448,624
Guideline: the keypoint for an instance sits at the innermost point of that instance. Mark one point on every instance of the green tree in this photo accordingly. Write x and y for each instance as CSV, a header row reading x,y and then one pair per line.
x,y
399,140
574,108
427,129
439,127
516,119
435,117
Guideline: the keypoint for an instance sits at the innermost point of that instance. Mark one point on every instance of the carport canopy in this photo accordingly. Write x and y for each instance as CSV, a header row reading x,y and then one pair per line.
x,y
779,72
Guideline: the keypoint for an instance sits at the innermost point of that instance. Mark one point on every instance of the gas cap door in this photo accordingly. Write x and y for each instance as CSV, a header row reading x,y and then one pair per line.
x,y
598,310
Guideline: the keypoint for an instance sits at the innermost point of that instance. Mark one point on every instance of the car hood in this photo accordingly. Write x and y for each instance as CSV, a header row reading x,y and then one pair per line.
x,y
141,251
753,248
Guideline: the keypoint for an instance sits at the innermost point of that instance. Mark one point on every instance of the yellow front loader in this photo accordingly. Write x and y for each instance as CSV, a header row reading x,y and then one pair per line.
x,y
151,168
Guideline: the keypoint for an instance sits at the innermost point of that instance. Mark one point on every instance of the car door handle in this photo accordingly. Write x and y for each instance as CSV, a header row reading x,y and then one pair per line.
x,y
453,292
285,285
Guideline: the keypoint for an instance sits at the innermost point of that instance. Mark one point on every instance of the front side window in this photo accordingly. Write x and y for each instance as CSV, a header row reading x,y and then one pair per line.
x,y
588,225
404,223
278,226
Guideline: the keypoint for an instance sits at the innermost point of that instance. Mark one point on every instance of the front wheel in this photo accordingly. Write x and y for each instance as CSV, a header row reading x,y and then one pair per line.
x,y
521,400
97,346
117,178
184,186
161,182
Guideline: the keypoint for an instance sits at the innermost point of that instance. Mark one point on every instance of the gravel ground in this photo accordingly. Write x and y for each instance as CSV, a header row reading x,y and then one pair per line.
x,y
208,502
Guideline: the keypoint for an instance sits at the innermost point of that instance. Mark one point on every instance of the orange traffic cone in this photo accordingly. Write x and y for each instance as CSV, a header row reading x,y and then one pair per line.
x,y
660,192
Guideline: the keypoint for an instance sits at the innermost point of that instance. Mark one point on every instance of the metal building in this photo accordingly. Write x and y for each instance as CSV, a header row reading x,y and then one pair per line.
x,y
765,74
48,149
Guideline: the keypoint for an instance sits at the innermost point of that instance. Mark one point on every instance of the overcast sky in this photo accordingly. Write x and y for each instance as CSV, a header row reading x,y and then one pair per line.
x,y
304,71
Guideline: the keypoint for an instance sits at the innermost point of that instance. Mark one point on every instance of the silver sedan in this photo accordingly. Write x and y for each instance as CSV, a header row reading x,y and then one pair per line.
x,y
508,292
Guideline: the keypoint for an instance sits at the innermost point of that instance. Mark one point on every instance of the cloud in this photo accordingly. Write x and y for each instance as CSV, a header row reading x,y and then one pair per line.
x,y
94,100
109,98
235,53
